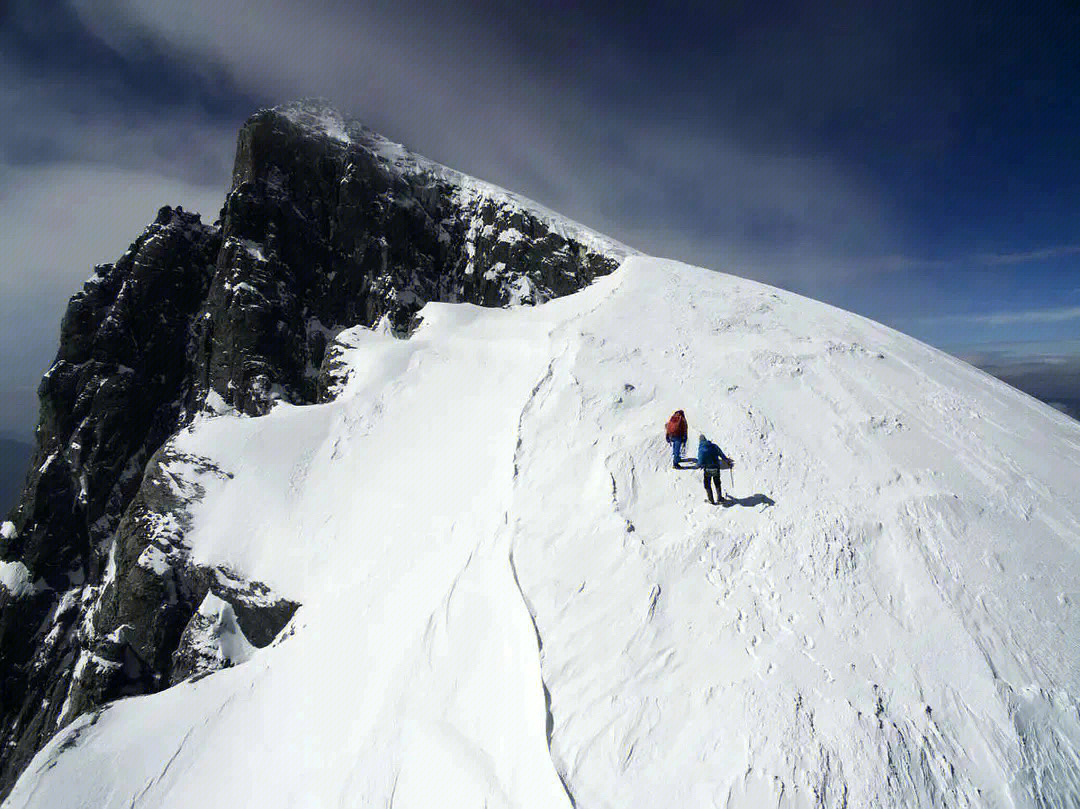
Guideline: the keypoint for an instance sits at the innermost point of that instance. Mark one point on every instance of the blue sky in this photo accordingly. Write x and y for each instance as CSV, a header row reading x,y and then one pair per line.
x,y
919,165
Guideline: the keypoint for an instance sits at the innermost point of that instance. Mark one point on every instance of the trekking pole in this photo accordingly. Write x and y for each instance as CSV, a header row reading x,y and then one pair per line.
x,y
731,472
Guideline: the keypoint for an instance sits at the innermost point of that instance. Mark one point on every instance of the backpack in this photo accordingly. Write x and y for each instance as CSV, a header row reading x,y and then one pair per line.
x,y
676,426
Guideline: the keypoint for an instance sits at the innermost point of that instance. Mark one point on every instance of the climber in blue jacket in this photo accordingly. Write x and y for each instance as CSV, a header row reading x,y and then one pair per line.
x,y
711,459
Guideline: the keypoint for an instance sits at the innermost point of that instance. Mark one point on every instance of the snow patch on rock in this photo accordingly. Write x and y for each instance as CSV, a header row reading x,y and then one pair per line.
x,y
212,640
255,250
215,403
15,578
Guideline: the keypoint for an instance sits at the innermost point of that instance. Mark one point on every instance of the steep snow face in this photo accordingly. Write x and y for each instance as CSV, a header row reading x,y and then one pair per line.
x,y
511,599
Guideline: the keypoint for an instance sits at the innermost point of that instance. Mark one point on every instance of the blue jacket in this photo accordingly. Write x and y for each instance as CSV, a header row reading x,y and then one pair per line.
x,y
709,456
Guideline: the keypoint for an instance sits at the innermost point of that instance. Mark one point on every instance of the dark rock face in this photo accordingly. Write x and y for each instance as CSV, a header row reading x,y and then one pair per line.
x,y
113,395
321,233
327,226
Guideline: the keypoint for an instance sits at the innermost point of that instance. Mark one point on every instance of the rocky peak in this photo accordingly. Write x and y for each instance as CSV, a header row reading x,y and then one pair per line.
x,y
326,226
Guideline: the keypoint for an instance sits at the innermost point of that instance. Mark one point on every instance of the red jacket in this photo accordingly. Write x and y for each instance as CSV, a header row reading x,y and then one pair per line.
x,y
676,426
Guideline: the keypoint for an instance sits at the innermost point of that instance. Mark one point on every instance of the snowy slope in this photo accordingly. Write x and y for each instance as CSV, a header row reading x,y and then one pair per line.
x,y
511,598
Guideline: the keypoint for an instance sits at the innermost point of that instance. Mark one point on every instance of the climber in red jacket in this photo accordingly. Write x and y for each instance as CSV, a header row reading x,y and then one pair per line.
x,y
676,436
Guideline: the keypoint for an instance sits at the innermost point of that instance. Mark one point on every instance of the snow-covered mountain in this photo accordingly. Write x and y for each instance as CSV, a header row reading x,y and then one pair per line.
x,y
469,576
327,226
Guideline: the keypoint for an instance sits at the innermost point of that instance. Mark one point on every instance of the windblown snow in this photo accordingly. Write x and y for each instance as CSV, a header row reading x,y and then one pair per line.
x,y
511,599
316,115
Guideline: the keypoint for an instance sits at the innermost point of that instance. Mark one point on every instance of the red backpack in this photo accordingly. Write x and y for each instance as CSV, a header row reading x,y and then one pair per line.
x,y
676,425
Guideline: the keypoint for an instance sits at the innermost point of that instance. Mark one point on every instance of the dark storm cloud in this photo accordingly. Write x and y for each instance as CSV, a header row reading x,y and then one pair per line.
x,y
823,131
828,132
66,97
88,152
58,221
648,139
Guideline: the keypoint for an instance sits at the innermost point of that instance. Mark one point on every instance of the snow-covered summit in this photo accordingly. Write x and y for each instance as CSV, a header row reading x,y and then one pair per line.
x,y
509,598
